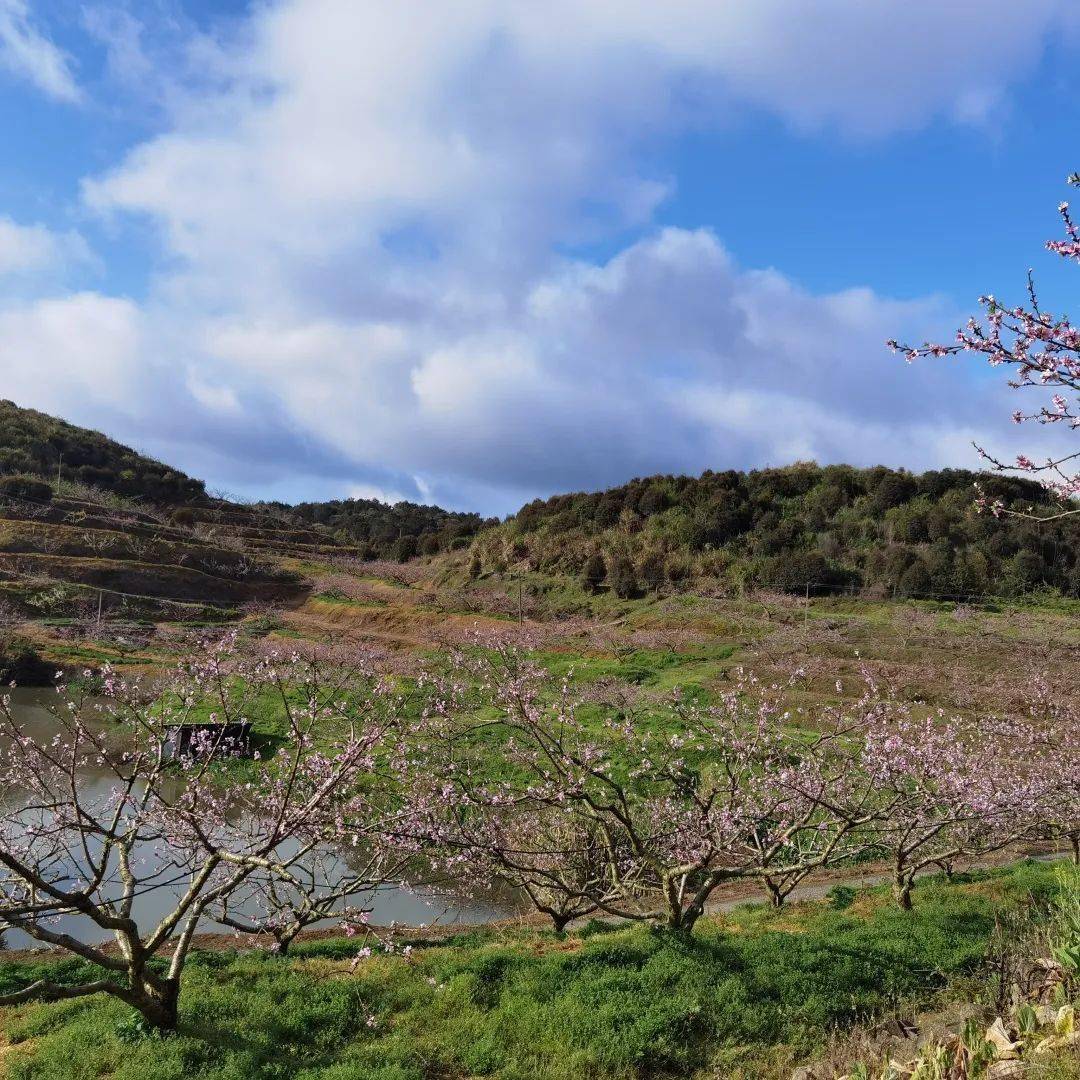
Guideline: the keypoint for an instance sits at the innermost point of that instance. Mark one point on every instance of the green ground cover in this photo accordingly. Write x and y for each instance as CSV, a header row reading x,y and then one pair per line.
x,y
748,995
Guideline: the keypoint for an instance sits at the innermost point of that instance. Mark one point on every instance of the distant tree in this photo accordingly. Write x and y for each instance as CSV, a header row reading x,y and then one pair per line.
x,y
893,489
652,570
652,501
405,548
916,580
609,508
429,544
476,567
594,571
678,568
969,573
622,578
376,526
1026,570
797,569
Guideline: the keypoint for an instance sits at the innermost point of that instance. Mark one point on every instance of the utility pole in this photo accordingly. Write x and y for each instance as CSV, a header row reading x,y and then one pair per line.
x,y
100,602
59,467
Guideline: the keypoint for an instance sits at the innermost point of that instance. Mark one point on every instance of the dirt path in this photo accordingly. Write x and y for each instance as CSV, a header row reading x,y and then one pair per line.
x,y
818,887
727,898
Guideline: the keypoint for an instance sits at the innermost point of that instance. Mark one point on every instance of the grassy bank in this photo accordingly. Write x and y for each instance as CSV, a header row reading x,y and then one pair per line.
x,y
749,995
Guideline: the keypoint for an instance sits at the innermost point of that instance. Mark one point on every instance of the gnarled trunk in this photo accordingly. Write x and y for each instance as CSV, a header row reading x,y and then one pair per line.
x,y
902,890
777,896
156,999
559,921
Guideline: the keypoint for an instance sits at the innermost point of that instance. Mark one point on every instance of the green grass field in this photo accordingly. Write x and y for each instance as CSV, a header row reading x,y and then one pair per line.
x,y
750,995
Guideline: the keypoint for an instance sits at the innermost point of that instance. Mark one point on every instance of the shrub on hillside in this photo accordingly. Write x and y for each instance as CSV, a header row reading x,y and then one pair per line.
x,y
405,548
795,570
594,572
20,663
22,486
375,527
34,443
622,578
871,525
652,571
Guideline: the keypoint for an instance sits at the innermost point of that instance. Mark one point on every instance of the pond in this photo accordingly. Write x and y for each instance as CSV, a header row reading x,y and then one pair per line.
x,y
421,905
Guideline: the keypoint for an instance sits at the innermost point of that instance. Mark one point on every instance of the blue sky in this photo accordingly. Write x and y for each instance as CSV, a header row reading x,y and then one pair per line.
x,y
479,252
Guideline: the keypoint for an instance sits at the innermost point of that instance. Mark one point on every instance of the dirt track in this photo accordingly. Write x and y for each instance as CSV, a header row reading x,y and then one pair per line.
x,y
726,898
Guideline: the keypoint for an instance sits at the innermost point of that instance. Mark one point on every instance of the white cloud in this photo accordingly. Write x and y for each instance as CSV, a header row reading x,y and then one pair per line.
x,y
72,353
361,204
668,357
35,250
215,398
370,491
484,126
27,53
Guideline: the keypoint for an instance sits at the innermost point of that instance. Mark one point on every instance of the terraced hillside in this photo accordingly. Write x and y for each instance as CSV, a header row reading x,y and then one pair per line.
x,y
90,527
85,520
69,553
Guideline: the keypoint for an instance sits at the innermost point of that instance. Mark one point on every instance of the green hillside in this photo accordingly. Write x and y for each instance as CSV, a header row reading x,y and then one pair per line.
x,y
880,531
36,443
836,527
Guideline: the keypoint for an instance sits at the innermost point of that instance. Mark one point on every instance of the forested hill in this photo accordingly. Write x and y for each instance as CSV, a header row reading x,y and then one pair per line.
x,y
401,530
881,529
35,443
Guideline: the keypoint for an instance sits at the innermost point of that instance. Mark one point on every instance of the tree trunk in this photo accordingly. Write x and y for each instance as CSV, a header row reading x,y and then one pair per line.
x,y
559,921
158,1003
902,890
1074,842
682,920
776,894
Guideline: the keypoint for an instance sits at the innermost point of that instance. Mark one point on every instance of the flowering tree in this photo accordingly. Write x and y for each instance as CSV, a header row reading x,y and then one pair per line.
x,y
644,815
556,856
1042,351
832,803
100,820
1054,746
320,883
642,809
946,788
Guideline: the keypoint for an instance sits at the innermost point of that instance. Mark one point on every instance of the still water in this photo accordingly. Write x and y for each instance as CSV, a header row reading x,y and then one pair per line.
x,y
405,906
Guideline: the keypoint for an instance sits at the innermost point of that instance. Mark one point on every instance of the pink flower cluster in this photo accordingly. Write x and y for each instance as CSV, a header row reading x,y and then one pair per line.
x,y
1043,352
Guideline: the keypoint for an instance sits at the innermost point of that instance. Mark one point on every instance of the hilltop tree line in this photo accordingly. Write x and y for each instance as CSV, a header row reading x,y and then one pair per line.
x,y
36,444
400,531
878,529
